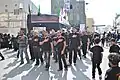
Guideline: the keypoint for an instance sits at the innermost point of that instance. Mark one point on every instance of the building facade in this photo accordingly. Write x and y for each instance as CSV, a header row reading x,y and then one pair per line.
x,y
89,24
117,24
13,15
76,15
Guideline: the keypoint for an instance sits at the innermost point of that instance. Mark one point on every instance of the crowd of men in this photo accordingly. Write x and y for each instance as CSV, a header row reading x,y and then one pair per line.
x,y
63,45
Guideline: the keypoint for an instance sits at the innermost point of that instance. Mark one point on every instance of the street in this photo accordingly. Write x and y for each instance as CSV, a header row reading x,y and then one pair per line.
x,y
11,70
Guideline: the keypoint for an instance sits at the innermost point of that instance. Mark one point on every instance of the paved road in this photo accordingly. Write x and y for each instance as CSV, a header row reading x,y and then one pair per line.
x,y
11,70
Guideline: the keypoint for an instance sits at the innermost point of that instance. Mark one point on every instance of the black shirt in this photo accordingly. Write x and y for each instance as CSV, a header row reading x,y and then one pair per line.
x,y
74,40
114,49
60,45
30,37
35,41
65,35
97,53
113,74
84,39
46,45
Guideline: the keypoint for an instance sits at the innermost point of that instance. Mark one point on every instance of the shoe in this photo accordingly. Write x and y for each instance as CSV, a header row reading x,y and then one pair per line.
x,y
33,60
47,69
80,58
3,58
100,77
93,78
59,70
28,62
69,64
85,57
36,64
21,63
56,61
66,69
74,64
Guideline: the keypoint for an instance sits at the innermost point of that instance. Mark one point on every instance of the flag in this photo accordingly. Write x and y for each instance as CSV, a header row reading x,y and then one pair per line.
x,y
65,15
62,15
39,10
58,14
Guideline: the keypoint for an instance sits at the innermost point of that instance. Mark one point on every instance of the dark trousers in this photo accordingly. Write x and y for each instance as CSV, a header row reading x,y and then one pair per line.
x,y
37,54
55,54
66,52
74,57
18,53
61,56
94,66
31,52
79,52
47,58
84,49
1,56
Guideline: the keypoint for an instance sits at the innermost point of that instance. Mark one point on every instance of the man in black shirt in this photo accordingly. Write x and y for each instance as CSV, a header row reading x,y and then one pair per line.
x,y
30,37
47,47
96,58
66,36
36,48
61,45
74,44
114,48
114,72
85,41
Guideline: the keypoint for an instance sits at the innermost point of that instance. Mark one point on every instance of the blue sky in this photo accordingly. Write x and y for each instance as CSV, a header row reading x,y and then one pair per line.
x,y
103,11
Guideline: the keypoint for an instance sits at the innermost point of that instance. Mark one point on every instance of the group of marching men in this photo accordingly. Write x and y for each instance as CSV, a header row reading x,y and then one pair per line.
x,y
58,43
63,45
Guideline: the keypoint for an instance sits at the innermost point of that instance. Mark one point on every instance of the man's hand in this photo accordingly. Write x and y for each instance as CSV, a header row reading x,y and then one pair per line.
x,y
40,43
46,40
62,52
60,40
79,47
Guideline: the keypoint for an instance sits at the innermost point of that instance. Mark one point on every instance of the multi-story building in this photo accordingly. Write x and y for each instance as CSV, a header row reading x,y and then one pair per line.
x,y
117,24
89,24
13,15
76,15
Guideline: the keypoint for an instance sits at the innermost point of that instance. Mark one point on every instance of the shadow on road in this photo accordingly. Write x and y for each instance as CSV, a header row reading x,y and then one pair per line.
x,y
12,64
16,71
78,72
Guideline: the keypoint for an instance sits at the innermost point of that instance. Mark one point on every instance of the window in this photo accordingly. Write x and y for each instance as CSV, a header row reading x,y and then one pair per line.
x,y
6,5
15,4
6,10
16,11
